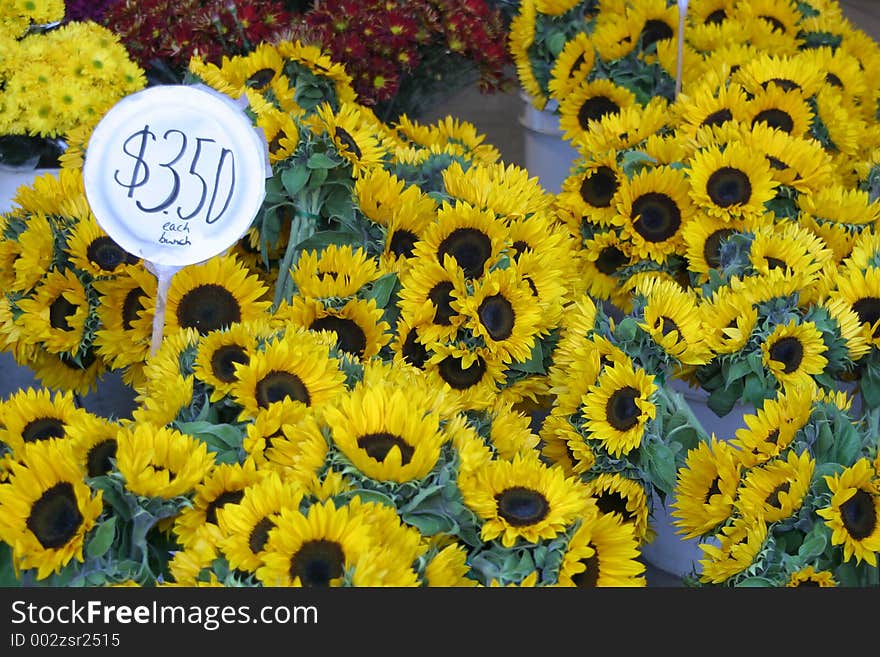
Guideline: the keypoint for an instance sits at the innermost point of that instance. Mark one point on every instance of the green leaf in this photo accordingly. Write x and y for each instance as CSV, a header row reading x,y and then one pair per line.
x,y
661,465
294,179
427,524
535,363
103,539
218,436
626,330
814,543
556,42
323,238
321,161
756,582
382,288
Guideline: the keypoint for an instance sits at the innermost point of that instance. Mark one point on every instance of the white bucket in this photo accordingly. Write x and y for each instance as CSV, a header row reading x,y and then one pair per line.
x,y
669,551
547,155
11,178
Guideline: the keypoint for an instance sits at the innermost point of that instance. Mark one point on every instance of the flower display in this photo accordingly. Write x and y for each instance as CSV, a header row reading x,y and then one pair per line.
x,y
56,77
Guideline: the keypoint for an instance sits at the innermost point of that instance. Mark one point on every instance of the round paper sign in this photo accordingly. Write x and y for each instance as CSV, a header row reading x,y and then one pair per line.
x,y
175,174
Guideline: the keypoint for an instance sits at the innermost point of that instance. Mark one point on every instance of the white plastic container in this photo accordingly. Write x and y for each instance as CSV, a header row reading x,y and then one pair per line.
x,y
547,155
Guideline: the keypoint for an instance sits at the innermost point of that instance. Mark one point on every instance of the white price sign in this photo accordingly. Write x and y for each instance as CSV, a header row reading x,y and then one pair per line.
x,y
175,174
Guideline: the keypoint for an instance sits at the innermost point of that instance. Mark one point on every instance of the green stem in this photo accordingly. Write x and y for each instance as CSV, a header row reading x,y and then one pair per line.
x,y
676,402
302,226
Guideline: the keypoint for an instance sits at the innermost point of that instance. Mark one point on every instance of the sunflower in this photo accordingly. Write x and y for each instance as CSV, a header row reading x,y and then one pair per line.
x,y
786,72
219,353
772,428
268,426
799,163
160,461
449,567
254,70
739,543
126,304
501,311
63,372
702,240
34,415
408,346
782,15
793,249
590,190
525,500
613,36
706,487
840,129
588,103
427,298
325,546
572,67
298,366
571,379
853,513
388,434
475,384
709,105
602,552
223,485
728,321
655,21
506,189
56,315
672,318
794,353
730,183
618,406
473,238
280,131
164,404
94,443
625,498
786,111
31,254
313,59
361,332
808,576
605,254
213,295
628,128
653,207
844,72
93,251
47,508
352,134
838,214
559,445
776,490
336,271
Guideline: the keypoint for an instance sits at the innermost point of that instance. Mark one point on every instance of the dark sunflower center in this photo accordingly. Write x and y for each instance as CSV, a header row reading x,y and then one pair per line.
x,y
599,188
224,498
42,428
773,498
716,17
207,308
260,535
59,311
457,377
85,361
589,578
807,583
317,562
789,351
833,80
106,253
859,515
777,24
728,186
350,337
131,306
610,260
55,517
402,243
868,310
348,141
775,263
714,489
782,83
772,437
224,359
279,385
470,247
718,118
521,506
259,79
576,64
712,246
414,352
519,247
776,163
654,31
775,118
275,143
595,108
621,410
668,325
441,296
98,460
657,217
377,445
497,316
613,502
